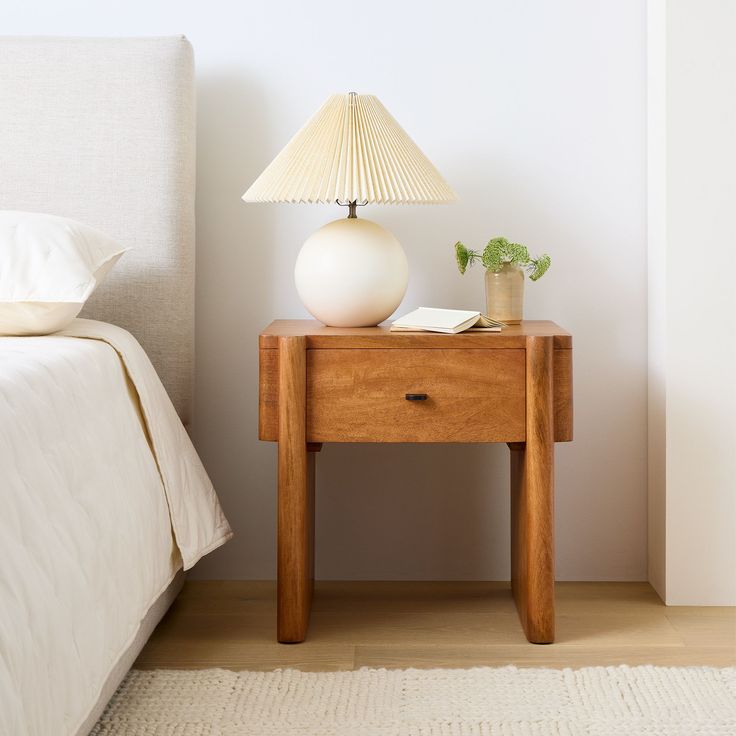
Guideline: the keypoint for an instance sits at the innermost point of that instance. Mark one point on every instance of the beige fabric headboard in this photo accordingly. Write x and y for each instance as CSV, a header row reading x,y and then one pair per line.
x,y
103,131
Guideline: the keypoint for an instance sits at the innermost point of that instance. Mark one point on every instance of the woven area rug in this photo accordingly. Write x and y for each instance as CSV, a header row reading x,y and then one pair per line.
x,y
595,701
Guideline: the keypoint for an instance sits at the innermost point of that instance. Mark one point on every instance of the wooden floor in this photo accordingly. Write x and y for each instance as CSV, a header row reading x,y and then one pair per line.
x,y
232,625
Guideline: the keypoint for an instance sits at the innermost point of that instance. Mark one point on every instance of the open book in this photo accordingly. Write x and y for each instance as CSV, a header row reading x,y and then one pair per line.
x,y
451,321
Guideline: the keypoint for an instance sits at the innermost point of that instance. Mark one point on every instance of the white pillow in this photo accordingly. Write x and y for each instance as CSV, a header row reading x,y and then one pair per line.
x,y
49,267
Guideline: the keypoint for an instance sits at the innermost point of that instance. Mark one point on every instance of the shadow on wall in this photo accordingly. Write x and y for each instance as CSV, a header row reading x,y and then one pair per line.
x,y
235,244
236,270
420,511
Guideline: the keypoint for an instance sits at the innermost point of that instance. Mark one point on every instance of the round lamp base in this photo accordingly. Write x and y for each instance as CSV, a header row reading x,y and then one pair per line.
x,y
351,273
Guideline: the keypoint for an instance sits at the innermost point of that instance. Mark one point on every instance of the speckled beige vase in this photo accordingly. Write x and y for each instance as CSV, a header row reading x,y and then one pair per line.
x,y
505,294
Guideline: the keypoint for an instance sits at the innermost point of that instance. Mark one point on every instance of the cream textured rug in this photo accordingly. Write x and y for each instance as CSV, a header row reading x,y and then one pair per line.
x,y
596,701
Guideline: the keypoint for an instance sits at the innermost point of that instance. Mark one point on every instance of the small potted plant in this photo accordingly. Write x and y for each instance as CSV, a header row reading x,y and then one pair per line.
x,y
505,264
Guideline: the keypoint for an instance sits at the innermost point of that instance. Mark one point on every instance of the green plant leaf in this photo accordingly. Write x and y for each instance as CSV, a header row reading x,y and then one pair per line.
x,y
540,265
494,253
498,252
517,253
462,256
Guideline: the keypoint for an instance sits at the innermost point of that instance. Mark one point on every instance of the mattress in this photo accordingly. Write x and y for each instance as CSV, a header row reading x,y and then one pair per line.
x,y
103,500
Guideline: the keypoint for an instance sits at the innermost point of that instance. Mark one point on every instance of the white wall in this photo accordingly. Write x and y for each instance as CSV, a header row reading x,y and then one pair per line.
x,y
693,196
657,288
534,112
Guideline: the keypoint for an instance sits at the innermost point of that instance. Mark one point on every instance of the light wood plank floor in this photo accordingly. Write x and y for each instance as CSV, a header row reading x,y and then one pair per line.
x,y
232,625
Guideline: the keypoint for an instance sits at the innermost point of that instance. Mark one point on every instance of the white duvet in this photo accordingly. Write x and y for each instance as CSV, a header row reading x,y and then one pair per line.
x,y
102,500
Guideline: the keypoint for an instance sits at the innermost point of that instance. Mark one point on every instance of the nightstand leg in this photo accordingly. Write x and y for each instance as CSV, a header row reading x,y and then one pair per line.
x,y
532,500
296,496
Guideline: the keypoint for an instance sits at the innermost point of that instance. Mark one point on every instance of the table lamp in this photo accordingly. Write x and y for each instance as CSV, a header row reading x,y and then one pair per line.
x,y
351,272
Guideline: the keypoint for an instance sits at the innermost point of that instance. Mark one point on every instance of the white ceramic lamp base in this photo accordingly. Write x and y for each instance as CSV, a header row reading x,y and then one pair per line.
x,y
351,273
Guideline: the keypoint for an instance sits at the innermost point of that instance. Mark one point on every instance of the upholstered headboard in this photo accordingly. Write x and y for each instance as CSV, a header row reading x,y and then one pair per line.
x,y
103,131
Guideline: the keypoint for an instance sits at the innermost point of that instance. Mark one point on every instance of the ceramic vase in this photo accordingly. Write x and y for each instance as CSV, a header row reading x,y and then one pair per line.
x,y
505,294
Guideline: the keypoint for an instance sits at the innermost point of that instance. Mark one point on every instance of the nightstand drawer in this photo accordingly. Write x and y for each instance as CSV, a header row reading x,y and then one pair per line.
x,y
416,395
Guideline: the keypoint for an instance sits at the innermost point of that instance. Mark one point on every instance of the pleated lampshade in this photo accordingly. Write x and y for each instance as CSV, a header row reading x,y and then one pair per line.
x,y
351,150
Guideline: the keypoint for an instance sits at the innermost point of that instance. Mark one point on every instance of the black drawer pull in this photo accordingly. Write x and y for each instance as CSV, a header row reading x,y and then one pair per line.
x,y
416,397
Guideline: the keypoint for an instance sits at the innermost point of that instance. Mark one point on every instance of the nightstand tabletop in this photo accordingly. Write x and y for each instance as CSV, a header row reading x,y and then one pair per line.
x,y
321,336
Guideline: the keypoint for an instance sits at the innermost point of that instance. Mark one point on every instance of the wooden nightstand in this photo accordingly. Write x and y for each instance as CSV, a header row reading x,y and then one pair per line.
x,y
327,384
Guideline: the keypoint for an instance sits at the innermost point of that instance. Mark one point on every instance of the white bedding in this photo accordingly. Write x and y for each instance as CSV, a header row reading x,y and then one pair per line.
x,y
88,503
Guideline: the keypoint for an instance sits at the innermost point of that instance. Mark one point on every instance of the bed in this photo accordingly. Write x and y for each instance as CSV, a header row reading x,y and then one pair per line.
x,y
104,500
